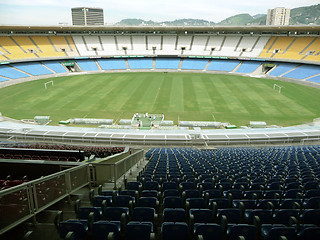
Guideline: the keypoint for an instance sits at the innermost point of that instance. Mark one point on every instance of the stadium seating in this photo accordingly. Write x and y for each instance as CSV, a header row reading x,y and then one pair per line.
x,y
9,72
167,63
112,64
303,72
314,79
2,79
55,66
33,68
140,63
223,65
282,68
194,64
87,65
248,67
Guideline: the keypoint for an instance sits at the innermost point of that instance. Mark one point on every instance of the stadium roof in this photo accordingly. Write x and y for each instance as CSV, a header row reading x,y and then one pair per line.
x,y
255,28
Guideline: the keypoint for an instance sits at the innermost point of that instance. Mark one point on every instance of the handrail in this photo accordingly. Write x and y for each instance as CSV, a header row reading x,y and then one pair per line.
x,y
24,201
111,172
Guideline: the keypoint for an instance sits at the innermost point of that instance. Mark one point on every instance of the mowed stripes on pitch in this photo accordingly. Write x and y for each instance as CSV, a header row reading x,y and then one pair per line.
x,y
183,96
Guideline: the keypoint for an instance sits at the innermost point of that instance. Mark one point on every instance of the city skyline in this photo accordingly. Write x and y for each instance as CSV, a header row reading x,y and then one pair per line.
x,y
55,12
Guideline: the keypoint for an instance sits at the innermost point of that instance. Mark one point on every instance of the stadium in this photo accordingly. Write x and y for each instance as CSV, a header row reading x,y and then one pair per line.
x,y
225,117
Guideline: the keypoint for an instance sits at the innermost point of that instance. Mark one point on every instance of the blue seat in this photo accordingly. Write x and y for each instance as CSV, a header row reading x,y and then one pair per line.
x,y
192,203
150,193
132,193
205,186
171,193
117,215
233,215
83,213
198,216
219,203
80,229
124,201
174,231
249,232
169,185
264,216
312,203
148,202
174,215
97,200
312,233
101,230
172,202
143,214
209,231
246,203
213,193
234,194
151,185
137,186
190,193
186,185
276,231
139,231
282,216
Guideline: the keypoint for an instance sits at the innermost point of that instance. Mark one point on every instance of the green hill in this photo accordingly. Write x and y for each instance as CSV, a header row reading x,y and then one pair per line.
x,y
299,16
305,15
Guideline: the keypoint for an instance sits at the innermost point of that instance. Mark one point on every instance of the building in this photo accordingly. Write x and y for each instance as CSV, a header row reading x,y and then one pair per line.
x,y
278,16
85,16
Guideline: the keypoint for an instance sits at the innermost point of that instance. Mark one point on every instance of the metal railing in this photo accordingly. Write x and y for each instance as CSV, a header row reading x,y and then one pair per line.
x,y
22,202
111,171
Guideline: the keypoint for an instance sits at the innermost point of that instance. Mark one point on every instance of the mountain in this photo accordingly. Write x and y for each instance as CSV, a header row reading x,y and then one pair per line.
x,y
299,16
305,15
178,22
244,19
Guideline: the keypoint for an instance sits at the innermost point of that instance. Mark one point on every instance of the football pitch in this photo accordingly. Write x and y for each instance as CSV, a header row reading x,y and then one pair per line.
x,y
179,96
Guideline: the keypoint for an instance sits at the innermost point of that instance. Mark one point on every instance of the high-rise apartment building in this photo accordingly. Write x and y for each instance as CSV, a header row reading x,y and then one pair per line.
x,y
278,16
85,16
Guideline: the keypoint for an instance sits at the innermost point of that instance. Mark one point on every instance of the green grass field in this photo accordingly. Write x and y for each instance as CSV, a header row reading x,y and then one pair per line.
x,y
184,96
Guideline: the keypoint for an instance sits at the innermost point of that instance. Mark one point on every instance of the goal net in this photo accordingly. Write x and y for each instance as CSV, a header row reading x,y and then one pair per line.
x,y
277,87
46,84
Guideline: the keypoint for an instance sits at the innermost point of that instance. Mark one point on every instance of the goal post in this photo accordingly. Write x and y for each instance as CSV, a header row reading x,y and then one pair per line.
x,y
48,83
276,86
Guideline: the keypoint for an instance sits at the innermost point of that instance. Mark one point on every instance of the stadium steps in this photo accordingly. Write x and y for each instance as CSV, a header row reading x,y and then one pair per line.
x,y
98,65
238,44
21,71
127,64
303,50
311,77
290,45
48,68
116,43
255,44
237,67
39,49
71,49
85,43
101,45
274,41
191,43
153,63
207,42
289,71
180,64
222,44
176,44
131,42
207,65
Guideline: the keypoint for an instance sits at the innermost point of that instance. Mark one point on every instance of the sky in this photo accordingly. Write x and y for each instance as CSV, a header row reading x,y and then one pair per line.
x,y
55,12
